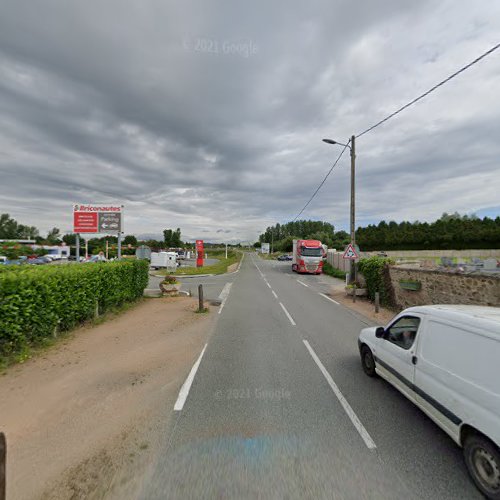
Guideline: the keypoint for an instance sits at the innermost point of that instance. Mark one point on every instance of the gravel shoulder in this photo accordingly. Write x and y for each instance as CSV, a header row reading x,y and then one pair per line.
x,y
82,420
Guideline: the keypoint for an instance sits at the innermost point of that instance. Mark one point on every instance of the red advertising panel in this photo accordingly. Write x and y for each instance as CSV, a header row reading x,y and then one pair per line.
x,y
199,253
84,222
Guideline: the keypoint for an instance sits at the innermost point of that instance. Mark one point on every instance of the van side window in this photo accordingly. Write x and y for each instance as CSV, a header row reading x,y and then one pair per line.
x,y
403,331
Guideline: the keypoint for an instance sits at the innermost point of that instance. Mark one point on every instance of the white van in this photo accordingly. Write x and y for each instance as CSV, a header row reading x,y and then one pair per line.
x,y
446,360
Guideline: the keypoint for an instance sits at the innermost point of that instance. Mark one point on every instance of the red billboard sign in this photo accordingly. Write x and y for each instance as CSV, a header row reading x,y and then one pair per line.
x,y
84,222
199,253
97,218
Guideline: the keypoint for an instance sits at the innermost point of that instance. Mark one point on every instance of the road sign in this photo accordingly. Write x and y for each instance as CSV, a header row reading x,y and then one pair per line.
x,y
350,253
110,222
97,218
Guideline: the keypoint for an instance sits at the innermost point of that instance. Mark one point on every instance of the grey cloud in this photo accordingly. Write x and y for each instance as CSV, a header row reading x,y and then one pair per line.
x,y
109,103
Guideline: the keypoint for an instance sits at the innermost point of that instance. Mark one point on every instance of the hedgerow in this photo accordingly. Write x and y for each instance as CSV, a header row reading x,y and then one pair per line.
x,y
35,301
372,269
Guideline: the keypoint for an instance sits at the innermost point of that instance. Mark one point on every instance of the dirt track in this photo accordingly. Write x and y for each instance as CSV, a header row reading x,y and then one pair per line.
x,y
82,420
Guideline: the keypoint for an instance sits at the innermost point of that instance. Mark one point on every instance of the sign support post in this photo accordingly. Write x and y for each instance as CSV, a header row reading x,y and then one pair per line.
x,y
77,247
119,255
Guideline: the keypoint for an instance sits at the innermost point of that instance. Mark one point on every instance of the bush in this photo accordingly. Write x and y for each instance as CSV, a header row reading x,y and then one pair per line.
x,y
372,269
333,271
34,301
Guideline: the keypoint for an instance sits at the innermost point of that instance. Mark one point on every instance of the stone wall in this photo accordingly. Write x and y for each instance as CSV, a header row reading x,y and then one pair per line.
x,y
439,287
422,254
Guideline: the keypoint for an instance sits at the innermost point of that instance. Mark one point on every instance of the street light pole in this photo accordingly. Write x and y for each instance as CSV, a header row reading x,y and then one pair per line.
x,y
352,147
352,267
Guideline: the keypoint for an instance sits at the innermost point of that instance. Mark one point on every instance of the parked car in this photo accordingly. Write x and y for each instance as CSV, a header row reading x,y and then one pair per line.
x,y
282,257
3,260
445,359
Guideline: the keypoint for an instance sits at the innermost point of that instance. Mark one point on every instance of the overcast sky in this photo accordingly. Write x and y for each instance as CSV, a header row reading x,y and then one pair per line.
x,y
209,116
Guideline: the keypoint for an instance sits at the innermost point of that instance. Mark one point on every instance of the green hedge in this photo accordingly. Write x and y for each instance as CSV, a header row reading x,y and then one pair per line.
x,y
372,269
333,271
34,301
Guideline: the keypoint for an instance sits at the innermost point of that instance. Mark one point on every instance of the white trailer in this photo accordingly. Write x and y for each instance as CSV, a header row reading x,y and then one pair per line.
x,y
161,260
57,252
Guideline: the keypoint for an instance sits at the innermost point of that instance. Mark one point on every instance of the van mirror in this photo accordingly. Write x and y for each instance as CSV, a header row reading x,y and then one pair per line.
x,y
379,332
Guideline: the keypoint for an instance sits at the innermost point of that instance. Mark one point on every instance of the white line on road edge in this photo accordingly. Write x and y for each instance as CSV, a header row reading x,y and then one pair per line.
x,y
183,393
241,262
268,285
298,281
274,293
328,298
224,295
288,314
347,407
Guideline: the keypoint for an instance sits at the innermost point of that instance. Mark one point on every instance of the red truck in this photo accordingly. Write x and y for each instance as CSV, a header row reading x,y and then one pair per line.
x,y
308,256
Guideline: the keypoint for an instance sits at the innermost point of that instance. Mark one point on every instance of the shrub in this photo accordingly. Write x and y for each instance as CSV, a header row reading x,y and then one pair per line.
x,y
170,280
34,301
333,271
372,269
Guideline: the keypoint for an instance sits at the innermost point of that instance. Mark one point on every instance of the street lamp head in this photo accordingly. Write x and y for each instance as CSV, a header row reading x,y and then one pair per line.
x,y
331,141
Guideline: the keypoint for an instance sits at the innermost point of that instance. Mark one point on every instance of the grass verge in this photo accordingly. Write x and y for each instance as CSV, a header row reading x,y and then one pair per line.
x,y
219,268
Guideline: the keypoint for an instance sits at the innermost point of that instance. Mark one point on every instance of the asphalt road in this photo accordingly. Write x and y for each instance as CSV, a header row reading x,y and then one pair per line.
x,y
279,407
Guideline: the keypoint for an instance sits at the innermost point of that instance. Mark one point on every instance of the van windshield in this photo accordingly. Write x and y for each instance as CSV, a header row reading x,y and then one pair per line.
x,y
311,252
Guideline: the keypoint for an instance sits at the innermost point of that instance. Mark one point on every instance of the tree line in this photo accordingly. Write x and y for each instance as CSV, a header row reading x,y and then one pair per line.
x,y
449,232
10,229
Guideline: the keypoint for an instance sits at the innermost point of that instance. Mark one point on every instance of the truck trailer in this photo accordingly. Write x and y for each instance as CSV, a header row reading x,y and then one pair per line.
x,y
307,256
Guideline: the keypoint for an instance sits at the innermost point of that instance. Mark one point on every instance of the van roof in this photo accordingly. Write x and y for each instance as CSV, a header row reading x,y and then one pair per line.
x,y
464,313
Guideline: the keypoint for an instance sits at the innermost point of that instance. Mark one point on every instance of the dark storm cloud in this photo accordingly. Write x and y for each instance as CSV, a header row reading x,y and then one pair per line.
x,y
209,115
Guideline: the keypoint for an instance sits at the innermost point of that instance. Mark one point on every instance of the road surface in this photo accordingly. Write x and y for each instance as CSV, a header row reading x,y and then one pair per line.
x,y
277,406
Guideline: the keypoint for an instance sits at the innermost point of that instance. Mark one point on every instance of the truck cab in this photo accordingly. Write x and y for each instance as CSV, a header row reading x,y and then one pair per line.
x,y
307,256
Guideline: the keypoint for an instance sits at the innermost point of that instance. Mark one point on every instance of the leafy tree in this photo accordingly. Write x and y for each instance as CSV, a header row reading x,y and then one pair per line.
x,y
130,240
11,230
53,236
167,237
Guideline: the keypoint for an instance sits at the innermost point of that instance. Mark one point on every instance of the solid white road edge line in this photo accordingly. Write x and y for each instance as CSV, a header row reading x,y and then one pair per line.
x,y
183,393
274,293
328,298
241,262
224,295
298,281
268,285
288,314
347,407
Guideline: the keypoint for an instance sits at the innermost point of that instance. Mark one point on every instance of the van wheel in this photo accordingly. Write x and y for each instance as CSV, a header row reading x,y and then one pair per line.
x,y
367,361
482,458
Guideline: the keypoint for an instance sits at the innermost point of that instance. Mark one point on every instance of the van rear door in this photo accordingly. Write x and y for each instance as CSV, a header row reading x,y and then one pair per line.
x,y
395,353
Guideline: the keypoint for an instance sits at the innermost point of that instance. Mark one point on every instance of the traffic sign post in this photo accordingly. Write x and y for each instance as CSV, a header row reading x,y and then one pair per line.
x,y
351,253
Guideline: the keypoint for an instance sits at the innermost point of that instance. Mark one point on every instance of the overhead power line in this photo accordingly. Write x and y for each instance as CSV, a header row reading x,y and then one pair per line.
x,y
446,80
461,70
323,181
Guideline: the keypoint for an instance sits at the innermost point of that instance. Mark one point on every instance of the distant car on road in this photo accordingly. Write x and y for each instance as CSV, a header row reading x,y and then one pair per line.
x,y
444,359
284,257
